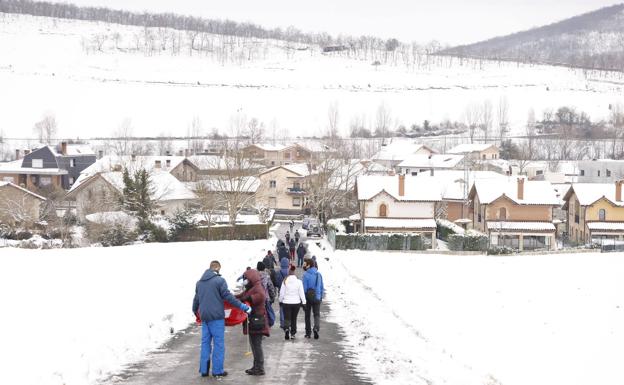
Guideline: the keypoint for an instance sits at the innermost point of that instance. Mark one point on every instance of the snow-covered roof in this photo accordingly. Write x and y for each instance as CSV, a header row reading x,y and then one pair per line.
x,y
453,181
377,168
520,226
9,184
589,193
431,161
73,150
535,192
111,218
467,148
369,186
400,223
399,149
605,226
165,186
301,169
15,167
270,146
246,184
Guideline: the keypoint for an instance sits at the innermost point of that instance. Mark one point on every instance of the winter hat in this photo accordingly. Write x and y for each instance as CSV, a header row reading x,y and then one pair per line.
x,y
270,252
260,266
291,270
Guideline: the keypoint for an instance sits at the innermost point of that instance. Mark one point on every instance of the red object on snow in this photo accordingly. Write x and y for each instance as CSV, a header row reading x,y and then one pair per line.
x,y
233,315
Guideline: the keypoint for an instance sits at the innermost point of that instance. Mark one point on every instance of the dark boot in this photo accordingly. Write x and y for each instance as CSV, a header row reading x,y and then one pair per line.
x,y
287,335
316,336
220,374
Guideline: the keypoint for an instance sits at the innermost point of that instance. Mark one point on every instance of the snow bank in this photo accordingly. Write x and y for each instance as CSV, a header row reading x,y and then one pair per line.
x,y
73,316
540,320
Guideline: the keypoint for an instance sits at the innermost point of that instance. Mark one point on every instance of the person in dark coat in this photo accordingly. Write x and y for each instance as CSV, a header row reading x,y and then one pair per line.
x,y
312,279
297,236
287,236
301,252
292,246
210,292
269,260
282,252
254,293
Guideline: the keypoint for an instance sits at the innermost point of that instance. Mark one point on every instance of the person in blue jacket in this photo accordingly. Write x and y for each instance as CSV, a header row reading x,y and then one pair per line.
x,y
312,280
210,292
280,275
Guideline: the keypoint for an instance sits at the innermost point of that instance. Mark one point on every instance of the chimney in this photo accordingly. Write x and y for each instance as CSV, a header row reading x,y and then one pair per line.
x,y
618,191
133,157
401,185
26,152
157,164
100,154
521,188
168,163
63,148
17,154
432,171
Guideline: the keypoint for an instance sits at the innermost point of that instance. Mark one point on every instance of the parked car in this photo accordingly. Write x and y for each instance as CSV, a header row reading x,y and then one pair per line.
x,y
315,230
307,221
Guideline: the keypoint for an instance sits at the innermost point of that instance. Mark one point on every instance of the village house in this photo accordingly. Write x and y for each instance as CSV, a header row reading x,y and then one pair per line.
x,y
284,188
397,204
101,192
18,205
48,166
515,213
421,163
277,154
210,165
595,212
476,151
393,153
600,171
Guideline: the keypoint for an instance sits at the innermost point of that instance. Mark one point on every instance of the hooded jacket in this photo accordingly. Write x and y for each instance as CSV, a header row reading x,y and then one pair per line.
x,y
282,252
210,292
282,272
256,297
291,292
309,281
301,251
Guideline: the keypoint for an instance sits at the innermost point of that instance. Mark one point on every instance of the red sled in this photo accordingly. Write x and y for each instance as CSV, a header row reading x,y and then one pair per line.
x,y
233,315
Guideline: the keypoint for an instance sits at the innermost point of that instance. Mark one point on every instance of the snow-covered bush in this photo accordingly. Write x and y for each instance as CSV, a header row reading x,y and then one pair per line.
x,y
118,235
151,232
469,241
182,221
445,228
501,250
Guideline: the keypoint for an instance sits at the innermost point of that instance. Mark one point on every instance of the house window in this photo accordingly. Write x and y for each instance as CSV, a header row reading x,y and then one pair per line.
x,y
483,156
162,212
601,215
272,183
479,217
71,180
168,162
8,179
272,163
296,201
502,213
37,163
287,155
72,162
539,172
582,172
45,181
383,210
598,172
577,212
608,173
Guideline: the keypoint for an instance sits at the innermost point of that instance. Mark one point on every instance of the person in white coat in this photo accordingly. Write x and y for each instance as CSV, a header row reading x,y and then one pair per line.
x,y
291,297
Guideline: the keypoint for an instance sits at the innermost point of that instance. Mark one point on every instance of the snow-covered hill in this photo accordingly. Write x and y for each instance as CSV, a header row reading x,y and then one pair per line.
x,y
93,75
591,40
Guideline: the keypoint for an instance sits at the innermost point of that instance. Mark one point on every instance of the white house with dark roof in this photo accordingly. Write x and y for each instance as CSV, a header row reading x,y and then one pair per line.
x,y
397,203
516,212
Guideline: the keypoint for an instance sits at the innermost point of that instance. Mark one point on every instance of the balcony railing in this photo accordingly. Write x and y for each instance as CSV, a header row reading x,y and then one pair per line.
x,y
296,191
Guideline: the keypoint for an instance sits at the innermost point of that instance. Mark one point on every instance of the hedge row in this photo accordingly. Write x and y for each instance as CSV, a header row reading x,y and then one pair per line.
x,y
221,233
470,241
381,242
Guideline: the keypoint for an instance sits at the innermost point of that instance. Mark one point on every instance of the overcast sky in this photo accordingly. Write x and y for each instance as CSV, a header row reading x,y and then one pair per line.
x,y
450,21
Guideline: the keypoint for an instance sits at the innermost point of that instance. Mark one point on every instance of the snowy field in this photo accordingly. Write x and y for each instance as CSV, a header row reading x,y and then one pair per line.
x,y
44,68
539,320
73,316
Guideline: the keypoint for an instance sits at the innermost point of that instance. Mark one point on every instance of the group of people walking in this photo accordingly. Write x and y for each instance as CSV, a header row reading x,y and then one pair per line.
x,y
274,278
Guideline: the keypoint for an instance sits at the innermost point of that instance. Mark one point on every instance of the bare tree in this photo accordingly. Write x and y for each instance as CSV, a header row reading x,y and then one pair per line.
x,y
165,145
17,210
503,118
333,117
382,121
194,136
530,132
472,117
46,128
486,119
616,118
122,138
255,131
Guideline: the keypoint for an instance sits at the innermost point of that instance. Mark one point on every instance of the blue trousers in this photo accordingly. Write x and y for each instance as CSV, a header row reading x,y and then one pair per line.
x,y
212,341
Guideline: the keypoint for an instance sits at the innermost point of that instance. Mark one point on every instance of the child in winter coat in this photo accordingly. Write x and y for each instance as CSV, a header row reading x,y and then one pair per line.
x,y
291,297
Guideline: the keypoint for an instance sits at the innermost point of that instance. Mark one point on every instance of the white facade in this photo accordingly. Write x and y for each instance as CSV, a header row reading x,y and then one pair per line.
x,y
398,209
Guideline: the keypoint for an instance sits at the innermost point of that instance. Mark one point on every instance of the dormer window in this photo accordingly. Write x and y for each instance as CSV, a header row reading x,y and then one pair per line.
x,y
37,163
